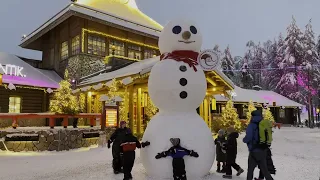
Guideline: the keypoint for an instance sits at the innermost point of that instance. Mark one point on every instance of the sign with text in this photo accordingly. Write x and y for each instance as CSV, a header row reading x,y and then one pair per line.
x,y
11,70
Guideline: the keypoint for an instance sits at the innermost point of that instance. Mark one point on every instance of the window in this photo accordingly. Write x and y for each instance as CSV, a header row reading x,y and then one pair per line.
x,y
134,51
75,45
64,50
149,53
96,45
116,48
14,104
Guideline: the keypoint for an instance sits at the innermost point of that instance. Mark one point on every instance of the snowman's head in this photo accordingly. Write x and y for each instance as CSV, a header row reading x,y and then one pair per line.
x,y
180,35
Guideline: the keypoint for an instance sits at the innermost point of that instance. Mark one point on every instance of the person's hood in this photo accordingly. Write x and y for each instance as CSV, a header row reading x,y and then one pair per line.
x,y
234,135
256,116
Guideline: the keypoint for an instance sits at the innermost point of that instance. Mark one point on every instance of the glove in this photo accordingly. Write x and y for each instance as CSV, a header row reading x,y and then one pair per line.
x,y
194,154
161,155
158,156
144,144
109,142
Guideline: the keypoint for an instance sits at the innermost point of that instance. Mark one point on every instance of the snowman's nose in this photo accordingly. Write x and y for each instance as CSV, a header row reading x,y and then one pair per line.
x,y
186,35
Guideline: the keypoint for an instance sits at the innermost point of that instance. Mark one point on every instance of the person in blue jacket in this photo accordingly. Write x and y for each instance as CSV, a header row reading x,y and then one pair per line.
x,y
177,153
257,154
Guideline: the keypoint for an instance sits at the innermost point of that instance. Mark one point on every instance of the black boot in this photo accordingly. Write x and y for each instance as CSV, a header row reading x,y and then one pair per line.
x,y
227,176
218,168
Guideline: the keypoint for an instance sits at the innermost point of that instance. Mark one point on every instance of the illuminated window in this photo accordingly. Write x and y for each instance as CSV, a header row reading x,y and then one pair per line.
x,y
116,48
75,45
96,45
134,51
14,104
149,53
64,50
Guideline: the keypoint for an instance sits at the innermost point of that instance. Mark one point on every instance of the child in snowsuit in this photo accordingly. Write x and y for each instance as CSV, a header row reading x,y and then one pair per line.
x,y
231,149
129,145
177,153
220,143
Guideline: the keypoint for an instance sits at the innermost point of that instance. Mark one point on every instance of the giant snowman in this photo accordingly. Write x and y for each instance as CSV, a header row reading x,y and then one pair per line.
x,y
177,86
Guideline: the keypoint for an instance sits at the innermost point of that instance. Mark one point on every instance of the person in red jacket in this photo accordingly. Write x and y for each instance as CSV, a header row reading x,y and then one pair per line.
x,y
129,144
116,138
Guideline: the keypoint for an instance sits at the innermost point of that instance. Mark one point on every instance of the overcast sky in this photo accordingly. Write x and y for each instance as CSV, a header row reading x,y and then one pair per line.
x,y
222,22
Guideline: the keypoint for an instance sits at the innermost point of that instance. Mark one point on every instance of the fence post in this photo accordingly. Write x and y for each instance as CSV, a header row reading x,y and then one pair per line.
x,y
14,122
65,122
92,121
51,122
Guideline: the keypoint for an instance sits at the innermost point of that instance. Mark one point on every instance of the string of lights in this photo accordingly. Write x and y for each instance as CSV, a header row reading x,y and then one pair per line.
x,y
270,69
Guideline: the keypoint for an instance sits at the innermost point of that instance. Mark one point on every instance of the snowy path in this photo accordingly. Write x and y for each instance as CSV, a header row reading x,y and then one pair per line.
x,y
296,155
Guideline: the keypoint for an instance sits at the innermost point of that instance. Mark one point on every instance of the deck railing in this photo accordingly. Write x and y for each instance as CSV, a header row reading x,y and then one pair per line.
x,y
52,118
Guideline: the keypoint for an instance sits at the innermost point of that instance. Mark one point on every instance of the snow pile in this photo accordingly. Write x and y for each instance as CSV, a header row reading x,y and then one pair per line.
x,y
295,154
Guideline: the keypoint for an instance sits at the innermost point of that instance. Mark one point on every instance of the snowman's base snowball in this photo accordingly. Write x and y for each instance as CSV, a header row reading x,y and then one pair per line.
x,y
194,135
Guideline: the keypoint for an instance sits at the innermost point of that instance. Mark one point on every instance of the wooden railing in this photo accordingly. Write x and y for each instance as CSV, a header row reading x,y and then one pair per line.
x,y
52,118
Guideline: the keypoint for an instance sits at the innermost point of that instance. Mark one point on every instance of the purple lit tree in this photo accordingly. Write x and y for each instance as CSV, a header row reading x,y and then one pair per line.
x,y
293,57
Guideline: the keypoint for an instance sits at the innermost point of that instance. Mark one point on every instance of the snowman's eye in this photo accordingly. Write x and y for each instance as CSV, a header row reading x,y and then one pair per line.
x,y
177,29
193,30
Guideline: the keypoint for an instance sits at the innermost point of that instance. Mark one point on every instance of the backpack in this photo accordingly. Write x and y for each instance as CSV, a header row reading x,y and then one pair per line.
x,y
264,129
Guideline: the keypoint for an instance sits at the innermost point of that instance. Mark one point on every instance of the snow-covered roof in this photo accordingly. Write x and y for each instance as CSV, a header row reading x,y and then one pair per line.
x,y
261,96
51,74
125,18
140,67
30,76
135,68
128,11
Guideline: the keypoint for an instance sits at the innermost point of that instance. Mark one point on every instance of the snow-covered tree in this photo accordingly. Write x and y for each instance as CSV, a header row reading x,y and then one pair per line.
x,y
227,63
246,73
293,57
257,64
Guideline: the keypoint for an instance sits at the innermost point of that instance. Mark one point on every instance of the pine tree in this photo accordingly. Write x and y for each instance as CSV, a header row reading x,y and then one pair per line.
x,y
64,102
227,63
270,75
251,108
293,57
257,64
246,73
229,117
267,115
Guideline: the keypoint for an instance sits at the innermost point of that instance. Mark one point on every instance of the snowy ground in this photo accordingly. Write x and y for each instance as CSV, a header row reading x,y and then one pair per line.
x,y
296,155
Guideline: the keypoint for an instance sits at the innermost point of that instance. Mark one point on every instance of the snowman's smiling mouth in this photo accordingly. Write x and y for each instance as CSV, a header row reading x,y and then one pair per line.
x,y
187,42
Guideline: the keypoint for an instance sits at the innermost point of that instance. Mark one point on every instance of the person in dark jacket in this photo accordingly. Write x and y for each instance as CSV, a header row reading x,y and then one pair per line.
x,y
270,165
129,144
116,138
231,149
177,153
257,154
220,143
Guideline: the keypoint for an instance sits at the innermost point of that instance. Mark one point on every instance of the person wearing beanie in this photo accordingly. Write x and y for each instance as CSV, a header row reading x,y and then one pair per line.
x,y
220,143
257,155
115,139
128,145
177,153
232,149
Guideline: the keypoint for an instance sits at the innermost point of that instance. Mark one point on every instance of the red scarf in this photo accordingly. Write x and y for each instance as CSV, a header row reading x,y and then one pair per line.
x,y
189,57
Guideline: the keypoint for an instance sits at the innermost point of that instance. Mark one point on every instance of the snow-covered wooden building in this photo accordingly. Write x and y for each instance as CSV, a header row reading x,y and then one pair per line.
x,y
90,36
23,88
284,110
